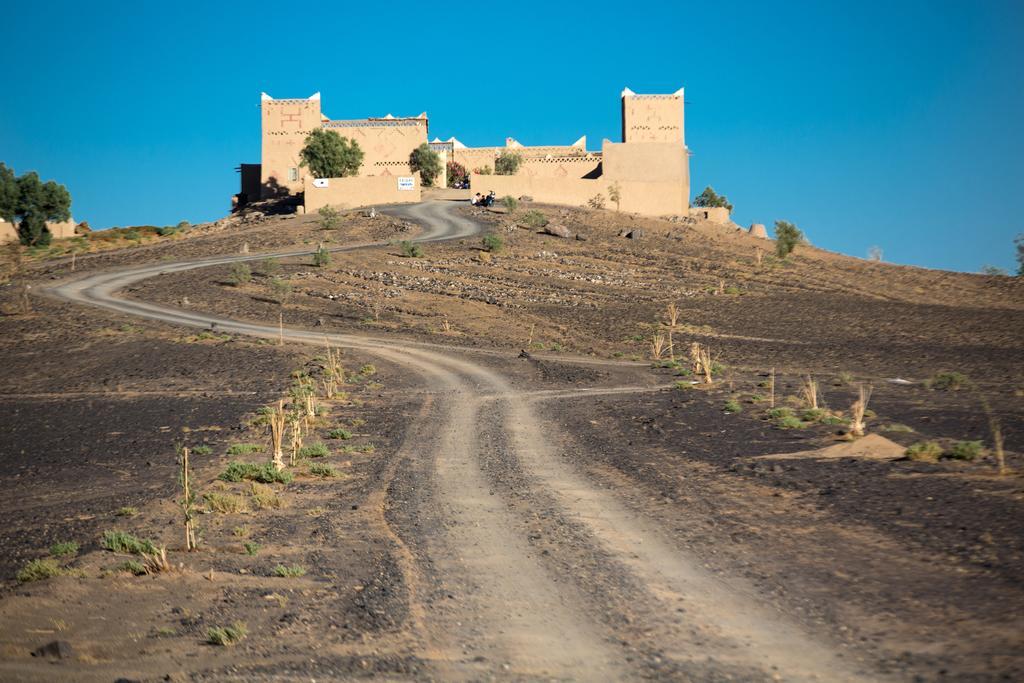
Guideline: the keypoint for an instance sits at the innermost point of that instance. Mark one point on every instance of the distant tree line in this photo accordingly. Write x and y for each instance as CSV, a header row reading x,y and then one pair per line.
x,y
29,204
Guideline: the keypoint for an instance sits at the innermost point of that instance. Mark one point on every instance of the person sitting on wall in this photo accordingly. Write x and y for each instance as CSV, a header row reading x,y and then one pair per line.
x,y
489,199
475,199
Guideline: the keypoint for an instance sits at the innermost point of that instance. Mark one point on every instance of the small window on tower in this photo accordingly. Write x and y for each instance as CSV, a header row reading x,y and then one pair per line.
x,y
293,173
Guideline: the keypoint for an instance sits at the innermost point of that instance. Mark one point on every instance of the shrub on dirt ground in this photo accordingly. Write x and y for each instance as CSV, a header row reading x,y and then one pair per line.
x,y
947,381
733,406
780,412
813,415
342,434
457,174
202,450
410,249
64,548
928,451
289,572
427,162
330,219
123,542
316,450
492,243
244,448
225,502
321,257
127,511
507,163
328,155
133,567
265,473
227,635
240,274
321,470
265,498
251,547
596,202
270,266
966,450
787,237
37,570
683,385
534,219
789,422
510,203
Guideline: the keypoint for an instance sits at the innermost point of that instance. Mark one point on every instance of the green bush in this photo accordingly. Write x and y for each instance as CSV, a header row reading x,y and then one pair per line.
x,y
251,547
339,433
202,450
966,450
789,422
410,249
733,406
492,243
780,412
265,473
510,203
813,415
947,381
244,448
37,570
289,572
132,567
227,635
507,163
64,548
929,451
330,219
710,198
316,450
321,470
321,257
123,542
534,219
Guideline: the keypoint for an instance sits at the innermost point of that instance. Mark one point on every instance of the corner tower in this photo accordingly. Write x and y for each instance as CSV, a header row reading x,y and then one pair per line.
x,y
653,118
285,125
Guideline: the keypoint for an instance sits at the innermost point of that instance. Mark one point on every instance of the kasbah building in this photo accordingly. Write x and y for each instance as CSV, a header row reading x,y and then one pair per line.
x,y
650,168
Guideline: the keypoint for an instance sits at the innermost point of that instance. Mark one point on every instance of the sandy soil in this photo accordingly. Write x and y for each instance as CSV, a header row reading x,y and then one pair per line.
x,y
564,515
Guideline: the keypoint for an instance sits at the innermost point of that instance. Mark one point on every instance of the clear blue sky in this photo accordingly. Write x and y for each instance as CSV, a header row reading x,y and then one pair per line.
x,y
897,124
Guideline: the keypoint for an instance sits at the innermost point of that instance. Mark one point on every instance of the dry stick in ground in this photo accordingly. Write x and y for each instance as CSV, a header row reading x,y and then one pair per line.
x,y
858,409
810,391
277,419
296,424
758,256
26,303
529,341
187,503
996,428
671,321
771,385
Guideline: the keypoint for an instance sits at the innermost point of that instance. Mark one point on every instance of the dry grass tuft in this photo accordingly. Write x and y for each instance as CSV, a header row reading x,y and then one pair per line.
x,y
858,409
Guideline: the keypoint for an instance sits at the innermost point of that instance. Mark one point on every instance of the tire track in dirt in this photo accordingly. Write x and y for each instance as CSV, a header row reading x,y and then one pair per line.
x,y
515,620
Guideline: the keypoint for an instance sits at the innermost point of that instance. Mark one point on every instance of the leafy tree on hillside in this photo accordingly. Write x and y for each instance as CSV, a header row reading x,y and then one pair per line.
x,y
30,204
328,155
507,164
710,198
787,237
427,162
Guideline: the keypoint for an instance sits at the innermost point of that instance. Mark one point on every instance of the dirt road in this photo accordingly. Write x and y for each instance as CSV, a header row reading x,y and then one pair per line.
x,y
519,566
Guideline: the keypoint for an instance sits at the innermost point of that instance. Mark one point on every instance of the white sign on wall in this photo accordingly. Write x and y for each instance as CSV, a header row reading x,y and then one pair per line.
x,y
321,182
406,183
